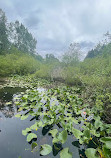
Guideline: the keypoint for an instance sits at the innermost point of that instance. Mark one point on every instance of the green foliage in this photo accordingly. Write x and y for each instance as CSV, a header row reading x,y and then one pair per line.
x,y
100,50
18,63
23,40
4,42
67,113
44,72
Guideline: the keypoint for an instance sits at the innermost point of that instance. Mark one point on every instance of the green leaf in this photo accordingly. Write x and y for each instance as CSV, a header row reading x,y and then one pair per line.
x,y
93,132
45,149
24,132
65,153
108,144
8,103
34,145
53,132
34,126
39,124
109,130
98,123
107,141
91,153
104,139
74,120
31,136
107,152
46,119
62,136
77,133
20,109
87,133
55,140
18,115
23,117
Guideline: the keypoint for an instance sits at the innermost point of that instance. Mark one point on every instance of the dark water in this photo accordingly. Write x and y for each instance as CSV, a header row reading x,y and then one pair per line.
x,y
12,143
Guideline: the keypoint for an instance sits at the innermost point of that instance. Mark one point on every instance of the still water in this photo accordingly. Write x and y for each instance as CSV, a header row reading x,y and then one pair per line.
x,y
12,143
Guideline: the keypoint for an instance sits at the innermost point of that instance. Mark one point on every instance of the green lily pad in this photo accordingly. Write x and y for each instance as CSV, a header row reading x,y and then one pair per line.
x,y
23,117
77,133
34,145
24,132
45,149
18,115
31,136
91,153
53,132
65,153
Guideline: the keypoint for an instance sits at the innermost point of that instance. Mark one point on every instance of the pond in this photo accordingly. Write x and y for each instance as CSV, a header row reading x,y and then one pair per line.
x,y
12,143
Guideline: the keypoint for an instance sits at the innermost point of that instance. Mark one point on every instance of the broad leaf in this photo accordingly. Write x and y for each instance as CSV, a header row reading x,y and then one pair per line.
x,y
107,141
53,132
31,136
77,133
24,132
34,145
62,136
65,153
45,149
34,126
23,117
98,123
91,153
18,115
86,133
104,139
46,119
108,144
107,152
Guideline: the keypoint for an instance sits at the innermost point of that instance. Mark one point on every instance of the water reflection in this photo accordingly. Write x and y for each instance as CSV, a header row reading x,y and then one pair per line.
x,y
6,95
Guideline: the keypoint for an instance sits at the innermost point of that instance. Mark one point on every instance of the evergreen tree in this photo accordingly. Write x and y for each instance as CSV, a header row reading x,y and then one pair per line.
x,y
21,38
4,42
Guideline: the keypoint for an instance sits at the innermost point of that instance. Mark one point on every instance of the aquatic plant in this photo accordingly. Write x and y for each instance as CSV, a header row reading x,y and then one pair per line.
x,y
63,107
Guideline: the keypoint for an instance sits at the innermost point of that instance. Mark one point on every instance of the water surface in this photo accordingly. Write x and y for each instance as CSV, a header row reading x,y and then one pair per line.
x,y
12,143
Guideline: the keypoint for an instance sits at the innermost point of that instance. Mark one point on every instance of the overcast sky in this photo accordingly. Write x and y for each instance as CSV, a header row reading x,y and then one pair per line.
x,y
57,23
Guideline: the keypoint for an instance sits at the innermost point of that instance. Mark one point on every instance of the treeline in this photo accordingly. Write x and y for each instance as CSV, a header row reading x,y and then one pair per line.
x,y
18,51
17,56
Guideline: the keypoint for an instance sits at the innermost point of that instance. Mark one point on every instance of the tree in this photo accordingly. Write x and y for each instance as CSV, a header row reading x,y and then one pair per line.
x,y
4,42
103,48
50,58
21,38
72,55
15,34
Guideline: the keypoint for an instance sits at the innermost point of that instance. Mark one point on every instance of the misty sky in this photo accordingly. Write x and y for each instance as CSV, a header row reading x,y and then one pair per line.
x,y
57,23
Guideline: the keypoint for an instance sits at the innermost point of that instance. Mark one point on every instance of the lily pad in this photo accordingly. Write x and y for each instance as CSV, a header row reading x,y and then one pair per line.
x,y
31,136
45,149
65,153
